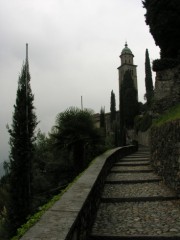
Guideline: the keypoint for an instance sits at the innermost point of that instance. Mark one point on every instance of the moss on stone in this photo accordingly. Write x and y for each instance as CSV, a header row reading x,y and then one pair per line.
x,y
170,115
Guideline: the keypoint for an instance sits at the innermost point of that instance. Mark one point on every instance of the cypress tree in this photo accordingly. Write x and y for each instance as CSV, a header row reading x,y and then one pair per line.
x,y
113,119
113,107
148,79
21,153
102,118
122,135
129,100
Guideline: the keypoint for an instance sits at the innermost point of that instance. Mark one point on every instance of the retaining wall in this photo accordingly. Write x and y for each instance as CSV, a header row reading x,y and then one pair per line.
x,y
72,216
143,138
165,152
167,89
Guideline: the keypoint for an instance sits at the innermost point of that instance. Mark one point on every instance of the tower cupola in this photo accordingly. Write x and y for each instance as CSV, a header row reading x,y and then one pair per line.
x,y
126,55
127,65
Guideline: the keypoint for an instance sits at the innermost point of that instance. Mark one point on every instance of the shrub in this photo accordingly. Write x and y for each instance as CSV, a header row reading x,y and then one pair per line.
x,y
142,123
165,63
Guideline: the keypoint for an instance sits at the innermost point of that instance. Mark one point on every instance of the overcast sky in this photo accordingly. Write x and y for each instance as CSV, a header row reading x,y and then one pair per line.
x,y
74,48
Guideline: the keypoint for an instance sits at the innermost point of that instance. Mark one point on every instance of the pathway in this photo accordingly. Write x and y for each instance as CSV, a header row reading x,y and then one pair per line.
x,y
136,204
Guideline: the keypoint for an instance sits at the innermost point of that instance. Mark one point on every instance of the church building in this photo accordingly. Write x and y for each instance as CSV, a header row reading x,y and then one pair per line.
x,y
127,64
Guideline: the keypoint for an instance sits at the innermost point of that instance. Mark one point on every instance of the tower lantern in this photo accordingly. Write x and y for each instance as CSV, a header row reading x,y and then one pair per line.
x,y
127,64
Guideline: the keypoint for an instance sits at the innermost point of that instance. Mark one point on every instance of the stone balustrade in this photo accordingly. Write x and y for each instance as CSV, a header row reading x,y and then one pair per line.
x,y
72,216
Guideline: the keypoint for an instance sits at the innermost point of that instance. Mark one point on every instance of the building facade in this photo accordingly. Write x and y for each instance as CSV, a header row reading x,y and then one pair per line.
x,y
127,64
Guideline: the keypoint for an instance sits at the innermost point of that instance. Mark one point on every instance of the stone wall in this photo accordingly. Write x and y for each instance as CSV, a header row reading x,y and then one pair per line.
x,y
165,152
72,216
167,89
143,138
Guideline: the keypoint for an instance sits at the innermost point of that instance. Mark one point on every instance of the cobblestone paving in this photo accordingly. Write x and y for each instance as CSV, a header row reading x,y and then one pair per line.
x,y
135,158
150,217
131,176
129,168
131,162
136,190
144,218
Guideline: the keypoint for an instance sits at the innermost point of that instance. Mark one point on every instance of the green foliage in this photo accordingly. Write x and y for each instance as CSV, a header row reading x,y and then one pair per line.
x,y
137,122
21,144
163,19
165,63
4,202
143,123
4,197
142,107
34,218
148,79
113,107
50,170
102,118
171,115
3,232
122,134
129,100
113,140
75,131
55,163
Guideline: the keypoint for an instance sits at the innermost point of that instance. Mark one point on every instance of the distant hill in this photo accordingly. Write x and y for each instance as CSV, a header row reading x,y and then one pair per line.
x,y
1,169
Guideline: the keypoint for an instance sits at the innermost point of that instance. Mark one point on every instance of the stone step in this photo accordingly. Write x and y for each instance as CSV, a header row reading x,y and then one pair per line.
x,y
139,153
130,168
131,164
99,237
132,181
138,190
131,171
134,158
133,161
140,220
135,203
126,177
138,199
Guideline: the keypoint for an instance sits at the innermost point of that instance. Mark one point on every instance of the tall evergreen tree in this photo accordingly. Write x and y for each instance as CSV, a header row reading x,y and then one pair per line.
x,y
102,118
103,122
148,79
122,132
113,107
21,154
129,100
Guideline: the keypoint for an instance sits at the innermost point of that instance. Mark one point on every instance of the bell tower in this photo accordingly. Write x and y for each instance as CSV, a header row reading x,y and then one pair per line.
x,y
127,64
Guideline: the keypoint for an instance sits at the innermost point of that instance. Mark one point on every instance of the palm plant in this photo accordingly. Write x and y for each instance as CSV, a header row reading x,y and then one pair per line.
x,y
75,130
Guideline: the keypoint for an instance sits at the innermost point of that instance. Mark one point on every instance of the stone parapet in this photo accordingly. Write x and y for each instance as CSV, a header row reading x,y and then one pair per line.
x,y
72,216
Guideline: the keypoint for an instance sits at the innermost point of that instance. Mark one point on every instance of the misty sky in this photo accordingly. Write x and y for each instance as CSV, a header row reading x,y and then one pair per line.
x,y
74,48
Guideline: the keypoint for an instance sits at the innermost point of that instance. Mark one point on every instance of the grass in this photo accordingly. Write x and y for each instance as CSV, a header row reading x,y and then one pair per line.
x,y
171,115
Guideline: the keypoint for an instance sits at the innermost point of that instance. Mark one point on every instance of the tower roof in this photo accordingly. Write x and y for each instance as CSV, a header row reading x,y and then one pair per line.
x,y
126,50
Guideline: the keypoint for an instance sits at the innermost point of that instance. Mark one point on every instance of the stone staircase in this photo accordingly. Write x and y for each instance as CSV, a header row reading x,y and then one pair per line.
x,y
136,204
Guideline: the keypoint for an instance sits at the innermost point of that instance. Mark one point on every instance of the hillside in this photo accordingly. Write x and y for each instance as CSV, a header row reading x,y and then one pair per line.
x,y
170,115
